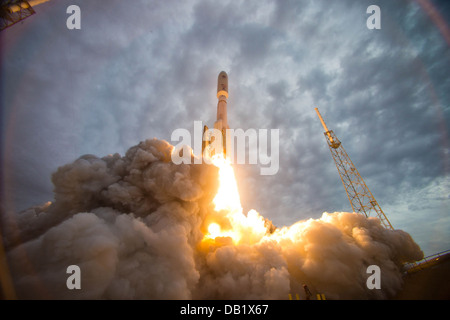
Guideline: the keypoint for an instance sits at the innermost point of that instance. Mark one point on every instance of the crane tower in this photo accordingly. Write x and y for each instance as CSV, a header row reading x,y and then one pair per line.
x,y
13,11
359,195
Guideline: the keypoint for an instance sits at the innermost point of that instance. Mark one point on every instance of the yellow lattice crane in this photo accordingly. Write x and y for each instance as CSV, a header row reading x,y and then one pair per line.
x,y
13,11
359,195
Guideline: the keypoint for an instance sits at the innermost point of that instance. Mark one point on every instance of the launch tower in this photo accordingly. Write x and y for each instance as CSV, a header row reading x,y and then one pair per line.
x,y
13,11
359,195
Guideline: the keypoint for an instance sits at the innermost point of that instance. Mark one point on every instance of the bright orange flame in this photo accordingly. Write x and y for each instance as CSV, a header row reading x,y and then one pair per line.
x,y
229,225
214,230
227,197
248,228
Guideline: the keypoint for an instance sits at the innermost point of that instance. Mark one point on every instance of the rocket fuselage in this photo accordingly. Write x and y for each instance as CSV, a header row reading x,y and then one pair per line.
x,y
222,94
221,123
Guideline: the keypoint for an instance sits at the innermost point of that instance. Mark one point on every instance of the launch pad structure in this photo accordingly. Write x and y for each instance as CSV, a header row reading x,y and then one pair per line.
x,y
359,195
424,279
13,11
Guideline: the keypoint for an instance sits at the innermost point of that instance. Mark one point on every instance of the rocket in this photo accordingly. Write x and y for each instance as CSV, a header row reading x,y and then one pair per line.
x,y
221,123
222,95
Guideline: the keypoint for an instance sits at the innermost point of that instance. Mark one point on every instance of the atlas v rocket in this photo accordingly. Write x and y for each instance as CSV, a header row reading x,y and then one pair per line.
x,y
221,123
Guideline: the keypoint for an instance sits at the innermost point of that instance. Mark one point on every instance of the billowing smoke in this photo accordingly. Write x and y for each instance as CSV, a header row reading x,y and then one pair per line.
x,y
135,226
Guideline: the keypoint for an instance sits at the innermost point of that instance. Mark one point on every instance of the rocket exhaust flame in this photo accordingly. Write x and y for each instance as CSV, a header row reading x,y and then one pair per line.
x,y
248,228
227,197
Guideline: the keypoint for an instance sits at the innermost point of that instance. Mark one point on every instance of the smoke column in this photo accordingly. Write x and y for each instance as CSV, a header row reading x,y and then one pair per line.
x,y
135,225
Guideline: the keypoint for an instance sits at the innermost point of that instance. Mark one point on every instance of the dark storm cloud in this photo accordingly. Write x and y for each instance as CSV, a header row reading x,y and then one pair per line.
x,y
142,69
386,100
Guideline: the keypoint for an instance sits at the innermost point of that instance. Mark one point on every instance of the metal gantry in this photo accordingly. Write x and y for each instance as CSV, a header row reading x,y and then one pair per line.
x,y
13,11
359,195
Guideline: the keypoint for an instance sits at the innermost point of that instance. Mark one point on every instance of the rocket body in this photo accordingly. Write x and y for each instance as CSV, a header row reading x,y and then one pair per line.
x,y
221,123
222,94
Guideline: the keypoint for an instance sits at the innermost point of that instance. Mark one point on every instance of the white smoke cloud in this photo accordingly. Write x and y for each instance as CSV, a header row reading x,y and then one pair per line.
x,y
134,225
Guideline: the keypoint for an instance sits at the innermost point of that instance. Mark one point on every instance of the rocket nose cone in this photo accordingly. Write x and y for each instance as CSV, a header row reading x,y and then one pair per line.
x,y
222,84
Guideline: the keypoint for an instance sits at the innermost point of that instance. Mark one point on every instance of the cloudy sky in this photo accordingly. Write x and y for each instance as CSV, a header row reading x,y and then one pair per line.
x,y
141,69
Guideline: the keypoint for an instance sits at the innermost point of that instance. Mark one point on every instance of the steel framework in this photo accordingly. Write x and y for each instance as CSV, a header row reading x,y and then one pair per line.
x,y
13,11
359,195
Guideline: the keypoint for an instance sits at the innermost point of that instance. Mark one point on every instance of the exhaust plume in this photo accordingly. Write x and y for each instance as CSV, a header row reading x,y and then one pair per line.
x,y
141,227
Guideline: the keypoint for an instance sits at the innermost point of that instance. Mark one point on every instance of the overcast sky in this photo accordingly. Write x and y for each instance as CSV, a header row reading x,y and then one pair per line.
x,y
141,69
